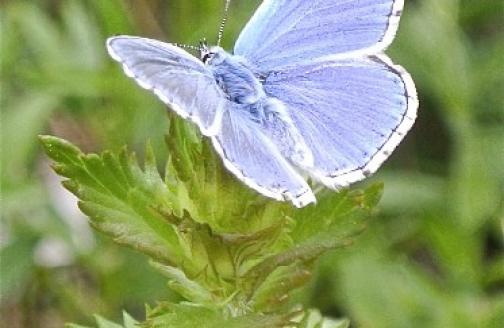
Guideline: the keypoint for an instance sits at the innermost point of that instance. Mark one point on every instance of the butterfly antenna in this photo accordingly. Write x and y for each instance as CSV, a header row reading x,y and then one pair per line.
x,y
186,46
223,22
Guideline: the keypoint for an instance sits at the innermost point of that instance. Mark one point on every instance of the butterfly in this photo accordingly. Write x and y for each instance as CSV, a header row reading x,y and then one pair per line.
x,y
306,92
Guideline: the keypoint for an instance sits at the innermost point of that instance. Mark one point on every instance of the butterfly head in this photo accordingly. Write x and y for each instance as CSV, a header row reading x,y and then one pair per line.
x,y
210,55
205,51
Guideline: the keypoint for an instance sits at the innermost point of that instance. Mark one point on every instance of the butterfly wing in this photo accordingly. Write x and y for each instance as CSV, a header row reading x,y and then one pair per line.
x,y
286,32
179,79
250,155
184,83
351,113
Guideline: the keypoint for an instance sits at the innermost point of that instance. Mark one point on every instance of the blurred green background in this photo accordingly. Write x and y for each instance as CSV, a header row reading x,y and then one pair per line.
x,y
433,255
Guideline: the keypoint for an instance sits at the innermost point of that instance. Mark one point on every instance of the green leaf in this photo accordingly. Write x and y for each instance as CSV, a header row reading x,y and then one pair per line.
x,y
187,288
208,192
104,323
314,319
187,315
302,253
162,219
274,292
74,325
336,214
118,197
223,246
128,322
332,224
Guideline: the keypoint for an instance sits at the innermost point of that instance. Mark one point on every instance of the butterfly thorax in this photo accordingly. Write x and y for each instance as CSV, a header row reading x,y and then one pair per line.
x,y
234,77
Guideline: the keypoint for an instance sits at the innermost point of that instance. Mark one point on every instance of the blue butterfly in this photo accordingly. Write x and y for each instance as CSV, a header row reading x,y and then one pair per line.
x,y
307,91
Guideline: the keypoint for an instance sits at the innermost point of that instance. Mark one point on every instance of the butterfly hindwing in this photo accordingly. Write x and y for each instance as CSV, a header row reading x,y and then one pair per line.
x,y
250,155
351,113
288,32
179,79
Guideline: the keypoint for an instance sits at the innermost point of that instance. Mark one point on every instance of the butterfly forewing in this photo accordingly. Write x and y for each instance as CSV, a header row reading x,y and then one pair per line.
x,y
178,78
288,32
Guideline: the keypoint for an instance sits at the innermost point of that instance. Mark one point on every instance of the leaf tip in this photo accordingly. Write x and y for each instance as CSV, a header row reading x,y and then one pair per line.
x,y
55,148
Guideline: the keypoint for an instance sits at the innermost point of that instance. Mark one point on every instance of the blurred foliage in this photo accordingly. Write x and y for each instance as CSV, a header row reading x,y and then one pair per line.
x,y
432,258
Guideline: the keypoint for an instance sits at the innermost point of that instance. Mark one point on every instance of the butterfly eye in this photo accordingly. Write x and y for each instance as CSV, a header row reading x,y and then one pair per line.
x,y
206,57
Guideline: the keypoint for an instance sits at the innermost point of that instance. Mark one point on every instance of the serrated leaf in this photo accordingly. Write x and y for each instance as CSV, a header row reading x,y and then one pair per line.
x,y
303,253
329,225
211,195
220,244
128,321
104,323
336,214
186,315
114,193
138,209
186,287
274,292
